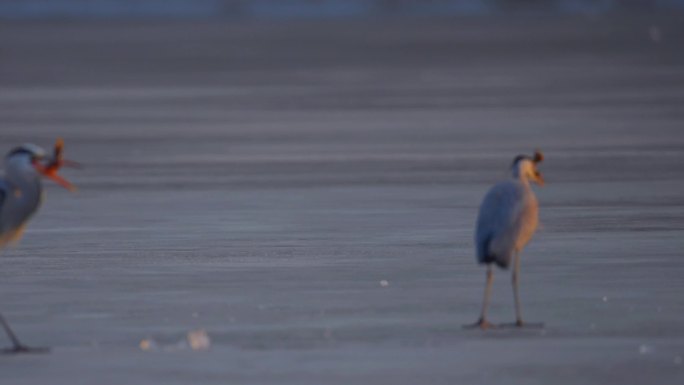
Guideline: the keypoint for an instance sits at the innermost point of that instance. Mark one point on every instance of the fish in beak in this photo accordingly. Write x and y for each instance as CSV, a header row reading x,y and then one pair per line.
x,y
50,169
538,158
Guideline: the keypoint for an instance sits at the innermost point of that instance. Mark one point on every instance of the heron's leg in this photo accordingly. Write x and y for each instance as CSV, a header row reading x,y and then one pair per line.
x,y
516,270
482,323
488,290
18,346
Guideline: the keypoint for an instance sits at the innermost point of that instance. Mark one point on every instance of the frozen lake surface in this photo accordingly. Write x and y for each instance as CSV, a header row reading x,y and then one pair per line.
x,y
259,181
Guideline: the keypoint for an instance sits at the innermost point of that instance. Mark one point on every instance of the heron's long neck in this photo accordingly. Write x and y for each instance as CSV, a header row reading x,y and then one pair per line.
x,y
519,176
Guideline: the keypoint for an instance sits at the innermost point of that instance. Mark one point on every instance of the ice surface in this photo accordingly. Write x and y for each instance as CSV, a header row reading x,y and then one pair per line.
x,y
259,181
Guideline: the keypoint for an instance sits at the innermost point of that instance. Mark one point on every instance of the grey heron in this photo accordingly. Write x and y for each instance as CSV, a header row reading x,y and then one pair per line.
x,y
20,196
507,220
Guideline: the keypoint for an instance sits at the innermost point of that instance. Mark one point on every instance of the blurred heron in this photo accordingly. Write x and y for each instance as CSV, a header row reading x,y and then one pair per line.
x,y
20,196
507,220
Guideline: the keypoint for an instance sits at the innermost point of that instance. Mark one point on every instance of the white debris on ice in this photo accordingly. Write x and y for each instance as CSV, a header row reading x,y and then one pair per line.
x,y
645,349
655,34
384,283
199,339
195,339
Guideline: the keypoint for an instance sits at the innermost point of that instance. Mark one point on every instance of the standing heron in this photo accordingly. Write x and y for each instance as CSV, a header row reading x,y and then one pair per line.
x,y
507,220
20,196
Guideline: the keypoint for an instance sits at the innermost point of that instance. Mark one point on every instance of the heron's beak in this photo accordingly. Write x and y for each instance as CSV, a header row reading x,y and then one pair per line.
x,y
50,171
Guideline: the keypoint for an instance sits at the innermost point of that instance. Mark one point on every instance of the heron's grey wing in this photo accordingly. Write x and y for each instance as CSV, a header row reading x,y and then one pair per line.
x,y
11,224
496,224
4,190
3,194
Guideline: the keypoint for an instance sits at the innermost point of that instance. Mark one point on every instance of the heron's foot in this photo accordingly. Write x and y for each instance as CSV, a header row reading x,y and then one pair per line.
x,y
23,349
480,324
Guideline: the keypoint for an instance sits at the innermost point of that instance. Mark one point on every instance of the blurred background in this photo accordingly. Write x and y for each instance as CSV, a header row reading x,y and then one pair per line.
x,y
247,9
301,180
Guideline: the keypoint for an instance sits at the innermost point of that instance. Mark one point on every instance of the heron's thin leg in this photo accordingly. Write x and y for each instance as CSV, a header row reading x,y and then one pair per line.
x,y
516,270
482,323
488,290
18,346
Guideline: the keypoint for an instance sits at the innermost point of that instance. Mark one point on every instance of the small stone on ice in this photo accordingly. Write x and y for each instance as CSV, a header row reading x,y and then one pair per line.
x,y
645,349
199,340
384,283
147,344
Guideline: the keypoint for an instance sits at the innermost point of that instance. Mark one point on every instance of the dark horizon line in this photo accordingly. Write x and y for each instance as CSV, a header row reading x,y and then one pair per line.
x,y
321,9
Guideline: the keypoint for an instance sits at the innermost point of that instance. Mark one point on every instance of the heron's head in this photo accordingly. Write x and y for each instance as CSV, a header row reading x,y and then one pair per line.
x,y
525,166
30,157
27,150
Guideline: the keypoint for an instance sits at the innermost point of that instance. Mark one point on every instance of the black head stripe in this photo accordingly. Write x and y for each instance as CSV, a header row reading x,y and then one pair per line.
x,y
27,149
19,150
519,158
